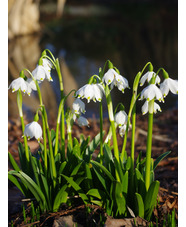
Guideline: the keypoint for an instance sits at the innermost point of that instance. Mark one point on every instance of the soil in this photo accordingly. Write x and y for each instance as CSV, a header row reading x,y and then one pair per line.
x,y
165,138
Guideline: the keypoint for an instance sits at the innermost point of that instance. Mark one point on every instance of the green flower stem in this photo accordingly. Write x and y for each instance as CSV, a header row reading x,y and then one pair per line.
x,y
45,144
111,118
45,120
149,148
57,126
132,153
133,136
133,100
101,131
69,135
19,103
50,147
62,126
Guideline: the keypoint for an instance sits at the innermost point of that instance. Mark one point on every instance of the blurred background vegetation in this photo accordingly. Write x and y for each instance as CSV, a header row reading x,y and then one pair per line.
x,y
83,34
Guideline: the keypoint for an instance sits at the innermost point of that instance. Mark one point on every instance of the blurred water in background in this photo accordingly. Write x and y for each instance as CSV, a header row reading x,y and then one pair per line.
x,y
128,34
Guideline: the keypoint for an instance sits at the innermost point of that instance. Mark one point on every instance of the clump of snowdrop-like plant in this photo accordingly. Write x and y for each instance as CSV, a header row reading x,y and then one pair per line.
x,y
65,166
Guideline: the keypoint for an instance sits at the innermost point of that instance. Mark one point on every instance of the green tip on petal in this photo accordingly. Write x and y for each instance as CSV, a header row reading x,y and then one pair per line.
x,y
147,99
28,94
177,92
13,89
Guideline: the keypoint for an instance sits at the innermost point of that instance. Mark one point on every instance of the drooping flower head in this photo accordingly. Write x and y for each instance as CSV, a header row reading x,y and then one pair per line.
x,y
148,76
91,92
31,86
112,78
19,83
78,106
151,109
82,121
169,85
122,130
43,70
121,118
151,92
33,129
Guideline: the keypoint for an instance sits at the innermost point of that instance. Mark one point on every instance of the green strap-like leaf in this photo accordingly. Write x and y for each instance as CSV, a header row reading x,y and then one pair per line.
x,y
18,184
32,187
120,200
162,156
97,164
140,205
13,163
60,198
77,188
151,199
124,182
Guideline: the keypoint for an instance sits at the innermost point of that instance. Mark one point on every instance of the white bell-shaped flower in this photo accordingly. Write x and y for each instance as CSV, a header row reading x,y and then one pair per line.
x,y
82,121
91,92
78,106
151,92
122,130
169,85
19,83
111,77
121,118
33,129
43,71
47,66
31,86
39,73
146,108
147,77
